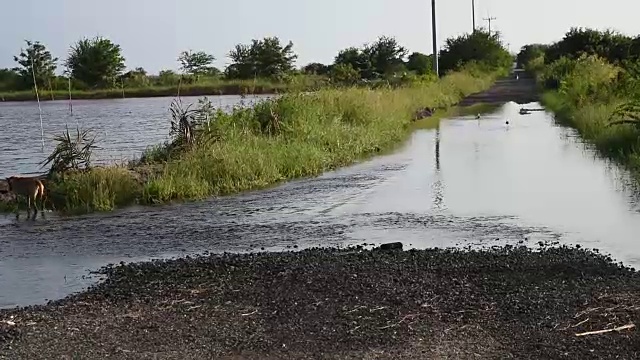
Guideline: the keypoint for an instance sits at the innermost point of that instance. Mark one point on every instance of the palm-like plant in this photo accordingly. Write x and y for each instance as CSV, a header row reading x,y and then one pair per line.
x,y
189,126
71,152
182,123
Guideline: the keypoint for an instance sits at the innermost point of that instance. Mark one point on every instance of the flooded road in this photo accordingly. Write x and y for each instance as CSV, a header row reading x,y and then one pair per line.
x,y
124,128
468,182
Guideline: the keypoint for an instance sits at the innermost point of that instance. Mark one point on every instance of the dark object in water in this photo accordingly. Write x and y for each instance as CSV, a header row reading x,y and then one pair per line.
x,y
391,246
524,111
507,122
424,113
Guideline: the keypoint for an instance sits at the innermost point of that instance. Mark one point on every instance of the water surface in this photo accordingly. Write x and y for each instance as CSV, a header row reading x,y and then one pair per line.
x,y
468,182
124,128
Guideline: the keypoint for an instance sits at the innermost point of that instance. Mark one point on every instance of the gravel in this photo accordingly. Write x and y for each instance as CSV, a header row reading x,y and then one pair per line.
x,y
499,303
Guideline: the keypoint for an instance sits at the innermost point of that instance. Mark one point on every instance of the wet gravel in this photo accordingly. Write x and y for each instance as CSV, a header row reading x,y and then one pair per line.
x,y
498,303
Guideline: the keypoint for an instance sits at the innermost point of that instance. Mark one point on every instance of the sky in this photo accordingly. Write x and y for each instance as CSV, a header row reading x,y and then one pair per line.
x,y
153,32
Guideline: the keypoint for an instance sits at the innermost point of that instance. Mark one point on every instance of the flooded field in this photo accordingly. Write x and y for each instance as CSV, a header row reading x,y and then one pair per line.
x,y
468,182
124,128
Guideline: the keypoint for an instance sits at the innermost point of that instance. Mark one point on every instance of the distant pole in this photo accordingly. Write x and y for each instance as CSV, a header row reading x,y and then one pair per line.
x,y
473,14
489,19
433,31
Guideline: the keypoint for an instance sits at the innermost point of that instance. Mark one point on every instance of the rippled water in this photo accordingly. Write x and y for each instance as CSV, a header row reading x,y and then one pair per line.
x,y
123,127
467,183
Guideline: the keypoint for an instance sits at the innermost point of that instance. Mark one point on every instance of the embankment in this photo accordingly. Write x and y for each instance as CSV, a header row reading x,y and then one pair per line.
x,y
296,135
239,87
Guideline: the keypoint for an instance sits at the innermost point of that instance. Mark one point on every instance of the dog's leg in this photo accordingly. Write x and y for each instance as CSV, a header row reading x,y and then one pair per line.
x,y
35,207
28,207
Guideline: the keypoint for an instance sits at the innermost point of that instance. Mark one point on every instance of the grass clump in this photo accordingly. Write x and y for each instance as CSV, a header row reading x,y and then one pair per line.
x,y
296,135
96,189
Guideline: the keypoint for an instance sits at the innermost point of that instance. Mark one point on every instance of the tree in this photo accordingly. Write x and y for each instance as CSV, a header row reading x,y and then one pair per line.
x,y
355,58
196,63
262,58
9,79
96,62
420,63
316,69
35,59
480,47
609,45
385,55
530,52
135,78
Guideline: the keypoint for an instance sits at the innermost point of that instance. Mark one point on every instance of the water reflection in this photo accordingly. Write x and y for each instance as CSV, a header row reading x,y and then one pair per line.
x,y
438,187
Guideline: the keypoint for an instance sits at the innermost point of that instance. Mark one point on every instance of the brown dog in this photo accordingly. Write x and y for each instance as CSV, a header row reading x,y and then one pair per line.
x,y
29,187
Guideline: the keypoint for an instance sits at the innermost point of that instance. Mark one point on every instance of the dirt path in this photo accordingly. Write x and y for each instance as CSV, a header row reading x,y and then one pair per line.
x,y
521,91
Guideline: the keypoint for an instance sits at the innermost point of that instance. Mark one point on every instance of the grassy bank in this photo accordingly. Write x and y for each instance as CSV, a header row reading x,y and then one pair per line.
x,y
293,136
231,87
587,99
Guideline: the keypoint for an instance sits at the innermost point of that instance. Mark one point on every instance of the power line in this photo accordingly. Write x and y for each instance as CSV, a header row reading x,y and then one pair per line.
x,y
489,19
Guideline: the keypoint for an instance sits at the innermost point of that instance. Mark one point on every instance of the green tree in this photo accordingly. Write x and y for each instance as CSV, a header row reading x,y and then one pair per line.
x,y
96,62
529,53
355,58
480,47
609,45
381,58
135,78
9,79
386,57
196,63
266,58
419,63
316,69
35,59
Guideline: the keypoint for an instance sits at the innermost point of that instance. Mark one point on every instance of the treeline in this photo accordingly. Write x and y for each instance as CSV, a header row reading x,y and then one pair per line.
x,y
98,64
591,79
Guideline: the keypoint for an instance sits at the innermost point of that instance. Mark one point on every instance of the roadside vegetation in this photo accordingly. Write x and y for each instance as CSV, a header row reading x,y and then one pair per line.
x,y
591,80
96,69
298,134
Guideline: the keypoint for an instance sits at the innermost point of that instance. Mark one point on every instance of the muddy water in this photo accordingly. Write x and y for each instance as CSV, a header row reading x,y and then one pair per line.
x,y
123,127
468,182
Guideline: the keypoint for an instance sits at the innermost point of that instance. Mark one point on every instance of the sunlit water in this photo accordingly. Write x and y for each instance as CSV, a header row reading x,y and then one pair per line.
x,y
469,182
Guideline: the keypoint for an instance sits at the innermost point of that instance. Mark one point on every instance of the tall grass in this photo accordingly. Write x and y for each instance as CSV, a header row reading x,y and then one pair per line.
x,y
587,96
295,135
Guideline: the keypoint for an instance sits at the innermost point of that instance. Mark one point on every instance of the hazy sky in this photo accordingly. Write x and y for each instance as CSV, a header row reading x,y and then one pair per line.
x,y
153,32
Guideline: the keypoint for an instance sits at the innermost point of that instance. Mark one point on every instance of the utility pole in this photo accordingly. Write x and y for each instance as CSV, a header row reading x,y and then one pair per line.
x,y
489,19
473,14
433,31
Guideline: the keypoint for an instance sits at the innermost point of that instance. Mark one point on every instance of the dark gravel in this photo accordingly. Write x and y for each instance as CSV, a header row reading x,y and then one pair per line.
x,y
501,303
